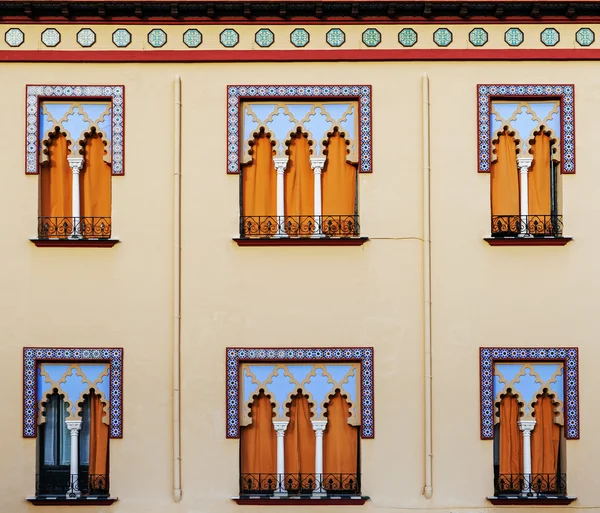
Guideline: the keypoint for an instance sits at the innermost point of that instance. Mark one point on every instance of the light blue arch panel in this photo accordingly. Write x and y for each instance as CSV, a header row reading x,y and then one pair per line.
x,y
299,111
524,124
94,110
105,126
554,124
92,371
261,372
350,388
542,109
280,386
73,387
46,126
76,124
318,126
337,372
558,386
57,110
281,125
55,370
299,371
104,387
318,386
43,385
347,125
527,386
499,386
546,370
262,110
509,370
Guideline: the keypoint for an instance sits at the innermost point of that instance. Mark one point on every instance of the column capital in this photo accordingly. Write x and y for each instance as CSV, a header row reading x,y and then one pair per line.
x,y
280,163
76,163
317,163
280,426
73,425
319,426
526,426
524,163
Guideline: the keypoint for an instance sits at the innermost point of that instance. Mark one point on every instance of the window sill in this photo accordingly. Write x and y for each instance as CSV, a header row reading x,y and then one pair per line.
x,y
515,500
75,243
302,241
354,500
63,501
528,241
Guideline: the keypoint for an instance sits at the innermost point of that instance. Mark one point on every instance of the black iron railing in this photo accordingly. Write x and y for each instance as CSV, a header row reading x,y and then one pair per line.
x,y
74,227
531,484
525,226
59,484
266,227
300,484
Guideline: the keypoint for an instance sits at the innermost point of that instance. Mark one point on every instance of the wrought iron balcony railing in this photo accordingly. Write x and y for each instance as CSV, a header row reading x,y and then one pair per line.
x,y
300,484
59,484
74,227
527,226
531,484
267,227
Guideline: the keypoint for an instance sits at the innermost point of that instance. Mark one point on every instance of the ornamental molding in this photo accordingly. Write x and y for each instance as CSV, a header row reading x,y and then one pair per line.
x,y
487,93
33,357
236,357
38,99
365,12
567,356
361,128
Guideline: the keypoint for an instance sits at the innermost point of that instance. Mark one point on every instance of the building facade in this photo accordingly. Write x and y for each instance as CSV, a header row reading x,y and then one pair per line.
x,y
268,253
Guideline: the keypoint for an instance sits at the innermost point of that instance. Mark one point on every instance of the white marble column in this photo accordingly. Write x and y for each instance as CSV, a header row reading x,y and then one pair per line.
x,y
317,164
74,426
280,427
319,427
280,166
524,163
526,426
76,164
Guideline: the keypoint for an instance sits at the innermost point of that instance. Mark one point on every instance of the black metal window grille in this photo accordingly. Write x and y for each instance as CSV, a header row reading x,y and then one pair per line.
x,y
74,227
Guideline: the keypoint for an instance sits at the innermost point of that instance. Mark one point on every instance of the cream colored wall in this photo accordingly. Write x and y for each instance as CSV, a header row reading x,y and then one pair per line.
x,y
298,296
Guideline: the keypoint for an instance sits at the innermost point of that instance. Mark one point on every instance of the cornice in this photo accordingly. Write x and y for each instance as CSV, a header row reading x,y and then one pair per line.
x,y
272,11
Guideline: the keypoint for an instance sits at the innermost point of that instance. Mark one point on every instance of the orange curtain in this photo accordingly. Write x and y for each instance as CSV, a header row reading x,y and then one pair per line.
x,y
338,187
95,181
504,180
539,186
98,439
259,190
340,440
545,439
299,438
511,439
339,179
299,188
258,441
56,180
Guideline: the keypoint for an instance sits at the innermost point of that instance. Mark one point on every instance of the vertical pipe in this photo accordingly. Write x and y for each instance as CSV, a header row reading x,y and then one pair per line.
x,y
177,290
428,488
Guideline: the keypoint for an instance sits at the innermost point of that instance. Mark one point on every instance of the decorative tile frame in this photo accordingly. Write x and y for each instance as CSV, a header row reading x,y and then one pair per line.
x,y
361,93
237,355
38,93
32,356
564,92
569,356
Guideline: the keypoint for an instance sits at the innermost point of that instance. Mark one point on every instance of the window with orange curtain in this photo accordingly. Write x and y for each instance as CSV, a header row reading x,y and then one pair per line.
x,y
319,196
67,212
524,168
508,446
545,445
55,448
